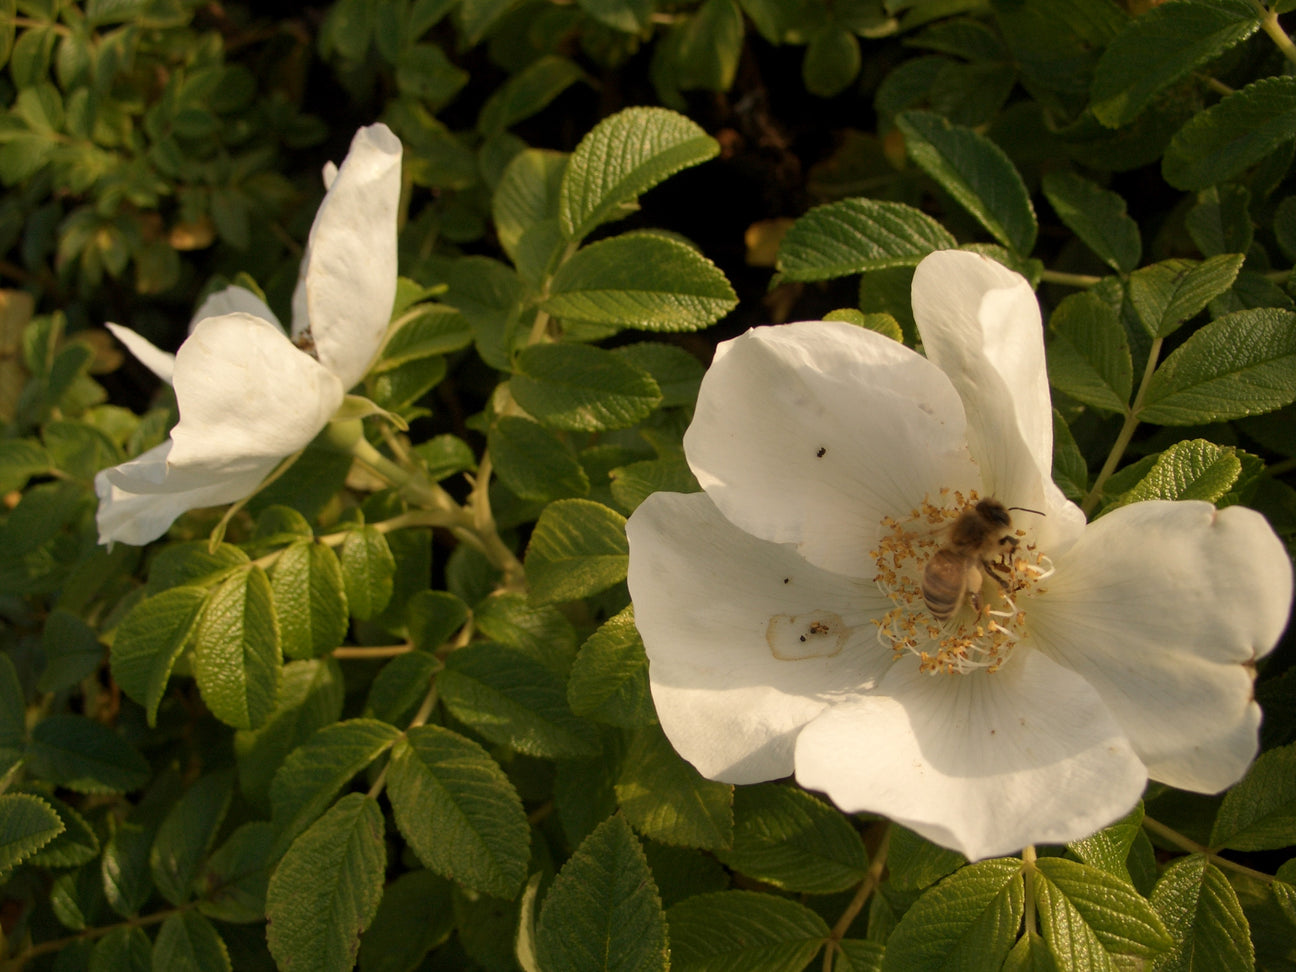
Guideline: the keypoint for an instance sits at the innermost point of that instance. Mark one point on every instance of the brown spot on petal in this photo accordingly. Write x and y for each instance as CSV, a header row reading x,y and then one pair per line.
x,y
816,634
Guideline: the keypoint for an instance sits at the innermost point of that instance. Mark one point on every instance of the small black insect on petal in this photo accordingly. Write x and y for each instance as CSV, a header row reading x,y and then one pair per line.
x,y
823,450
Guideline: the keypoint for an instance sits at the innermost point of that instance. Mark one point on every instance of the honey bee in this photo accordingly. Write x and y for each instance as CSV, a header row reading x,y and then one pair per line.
x,y
977,539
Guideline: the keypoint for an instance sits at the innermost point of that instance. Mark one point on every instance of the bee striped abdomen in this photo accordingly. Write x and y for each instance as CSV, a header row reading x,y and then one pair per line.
x,y
944,585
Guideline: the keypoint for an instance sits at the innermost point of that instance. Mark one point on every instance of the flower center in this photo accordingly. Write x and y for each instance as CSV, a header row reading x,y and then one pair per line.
x,y
964,612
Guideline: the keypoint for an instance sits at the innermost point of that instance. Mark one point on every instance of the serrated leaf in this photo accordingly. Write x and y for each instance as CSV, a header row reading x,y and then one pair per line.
x,y
668,800
1259,813
677,372
743,931
855,235
1109,848
1221,220
85,756
415,916
1089,354
633,484
534,462
527,195
72,651
187,942
27,823
232,884
967,921
785,837
1082,906
915,863
1160,47
400,687
313,773
603,913
1166,294
609,679
581,388
1201,909
458,810
193,565
187,833
1191,469
544,633
237,658
1229,137
976,173
368,571
309,598
642,280
127,882
1098,216
326,889
577,548
424,331
622,157
1240,364
77,845
433,617
511,698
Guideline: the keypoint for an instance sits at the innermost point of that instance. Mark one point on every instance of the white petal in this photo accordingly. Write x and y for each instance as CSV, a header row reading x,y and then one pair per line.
x,y
348,275
1164,608
246,395
980,322
140,499
161,363
746,641
984,763
811,433
233,300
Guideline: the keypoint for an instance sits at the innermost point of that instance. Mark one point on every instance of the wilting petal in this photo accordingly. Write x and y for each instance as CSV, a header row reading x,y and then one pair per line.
x,y
233,300
811,433
246,396
348,275
980,322
746,641
140,499
984,764
1164,608
161,363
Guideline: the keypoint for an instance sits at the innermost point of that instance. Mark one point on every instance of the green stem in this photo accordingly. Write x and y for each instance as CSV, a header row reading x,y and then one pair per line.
x,y
1028,875
1172,836
58,944
871,880
1126,433
1269,24
1069,279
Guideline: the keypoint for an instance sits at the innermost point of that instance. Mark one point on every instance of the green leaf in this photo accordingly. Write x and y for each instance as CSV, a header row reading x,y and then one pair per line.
x,y
433,617
1161,46
1191,469
707,46
544,633
831,62
1109,849
609,679
415,916
855,235
603,912
400,687
193,565
368,571
72,651
967,921
633,484
13,715
785,837
1259,813
124,949
1166,294
458,810
309,598
20,460
27,823
423,332
643,280
915,863
668,800
527,195
677,372
1221,220
976,173
1082,909
743,931
325,891
313,773
77,845
187,833
85,756
1221,142
534,462
582,388
1031,954
1240,364
622,157
187,942
1089,354
1201,909
124,866
237,660
232,885
527,92
511,698
424,72
577,548
1096,215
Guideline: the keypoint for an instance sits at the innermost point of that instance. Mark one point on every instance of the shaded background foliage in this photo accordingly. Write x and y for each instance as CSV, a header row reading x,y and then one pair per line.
x,y
153,149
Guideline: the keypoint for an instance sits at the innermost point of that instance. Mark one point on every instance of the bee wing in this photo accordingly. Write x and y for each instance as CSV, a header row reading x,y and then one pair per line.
x,y
944,583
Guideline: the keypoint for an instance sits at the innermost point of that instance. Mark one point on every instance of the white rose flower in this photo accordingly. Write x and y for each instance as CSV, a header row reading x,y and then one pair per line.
x,y
783,612
248,394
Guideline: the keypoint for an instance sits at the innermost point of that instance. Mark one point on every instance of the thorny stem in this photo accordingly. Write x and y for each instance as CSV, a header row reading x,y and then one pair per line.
x,y
871,880
1172,836
1269,24
1126,433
